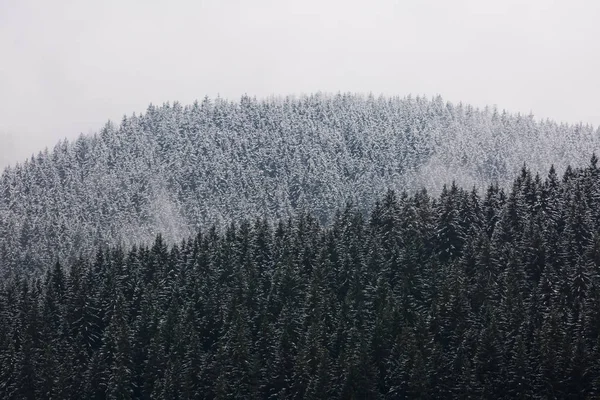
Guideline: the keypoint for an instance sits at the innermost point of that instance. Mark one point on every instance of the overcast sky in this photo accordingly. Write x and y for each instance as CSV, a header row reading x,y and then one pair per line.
x,y
66,67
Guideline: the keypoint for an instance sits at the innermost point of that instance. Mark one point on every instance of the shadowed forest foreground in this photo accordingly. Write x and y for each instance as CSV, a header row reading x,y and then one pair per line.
x,y
467,295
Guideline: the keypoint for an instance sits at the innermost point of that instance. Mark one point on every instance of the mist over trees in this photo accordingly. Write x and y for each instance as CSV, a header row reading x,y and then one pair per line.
x,y
491,294
175,169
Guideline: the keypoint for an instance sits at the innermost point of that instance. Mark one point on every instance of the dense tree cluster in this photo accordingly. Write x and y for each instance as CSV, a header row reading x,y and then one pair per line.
x,y
175,169
459,295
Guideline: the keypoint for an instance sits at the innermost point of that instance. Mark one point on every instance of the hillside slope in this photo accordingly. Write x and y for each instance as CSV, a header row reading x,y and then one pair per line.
x,y
175,168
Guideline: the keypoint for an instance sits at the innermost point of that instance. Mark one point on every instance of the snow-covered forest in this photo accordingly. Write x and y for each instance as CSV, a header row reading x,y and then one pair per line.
x,y
178,168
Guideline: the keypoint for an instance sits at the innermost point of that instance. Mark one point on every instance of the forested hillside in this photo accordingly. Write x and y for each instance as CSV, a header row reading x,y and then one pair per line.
x,y
175,169
461,295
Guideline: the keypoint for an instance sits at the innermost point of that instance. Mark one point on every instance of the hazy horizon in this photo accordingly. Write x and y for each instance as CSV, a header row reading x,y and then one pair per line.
x,y
68,67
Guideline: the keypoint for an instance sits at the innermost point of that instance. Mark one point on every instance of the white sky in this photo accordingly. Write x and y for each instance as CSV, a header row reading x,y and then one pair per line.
x,y
66,67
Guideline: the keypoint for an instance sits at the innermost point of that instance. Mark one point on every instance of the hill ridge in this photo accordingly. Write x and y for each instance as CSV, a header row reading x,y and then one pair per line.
x,y
176,168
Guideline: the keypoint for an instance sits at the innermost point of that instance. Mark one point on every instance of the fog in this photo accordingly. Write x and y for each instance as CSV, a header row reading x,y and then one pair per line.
x,y
69,66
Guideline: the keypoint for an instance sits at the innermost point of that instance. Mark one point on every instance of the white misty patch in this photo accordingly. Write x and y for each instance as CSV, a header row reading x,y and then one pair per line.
x,y
486,150
166,217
